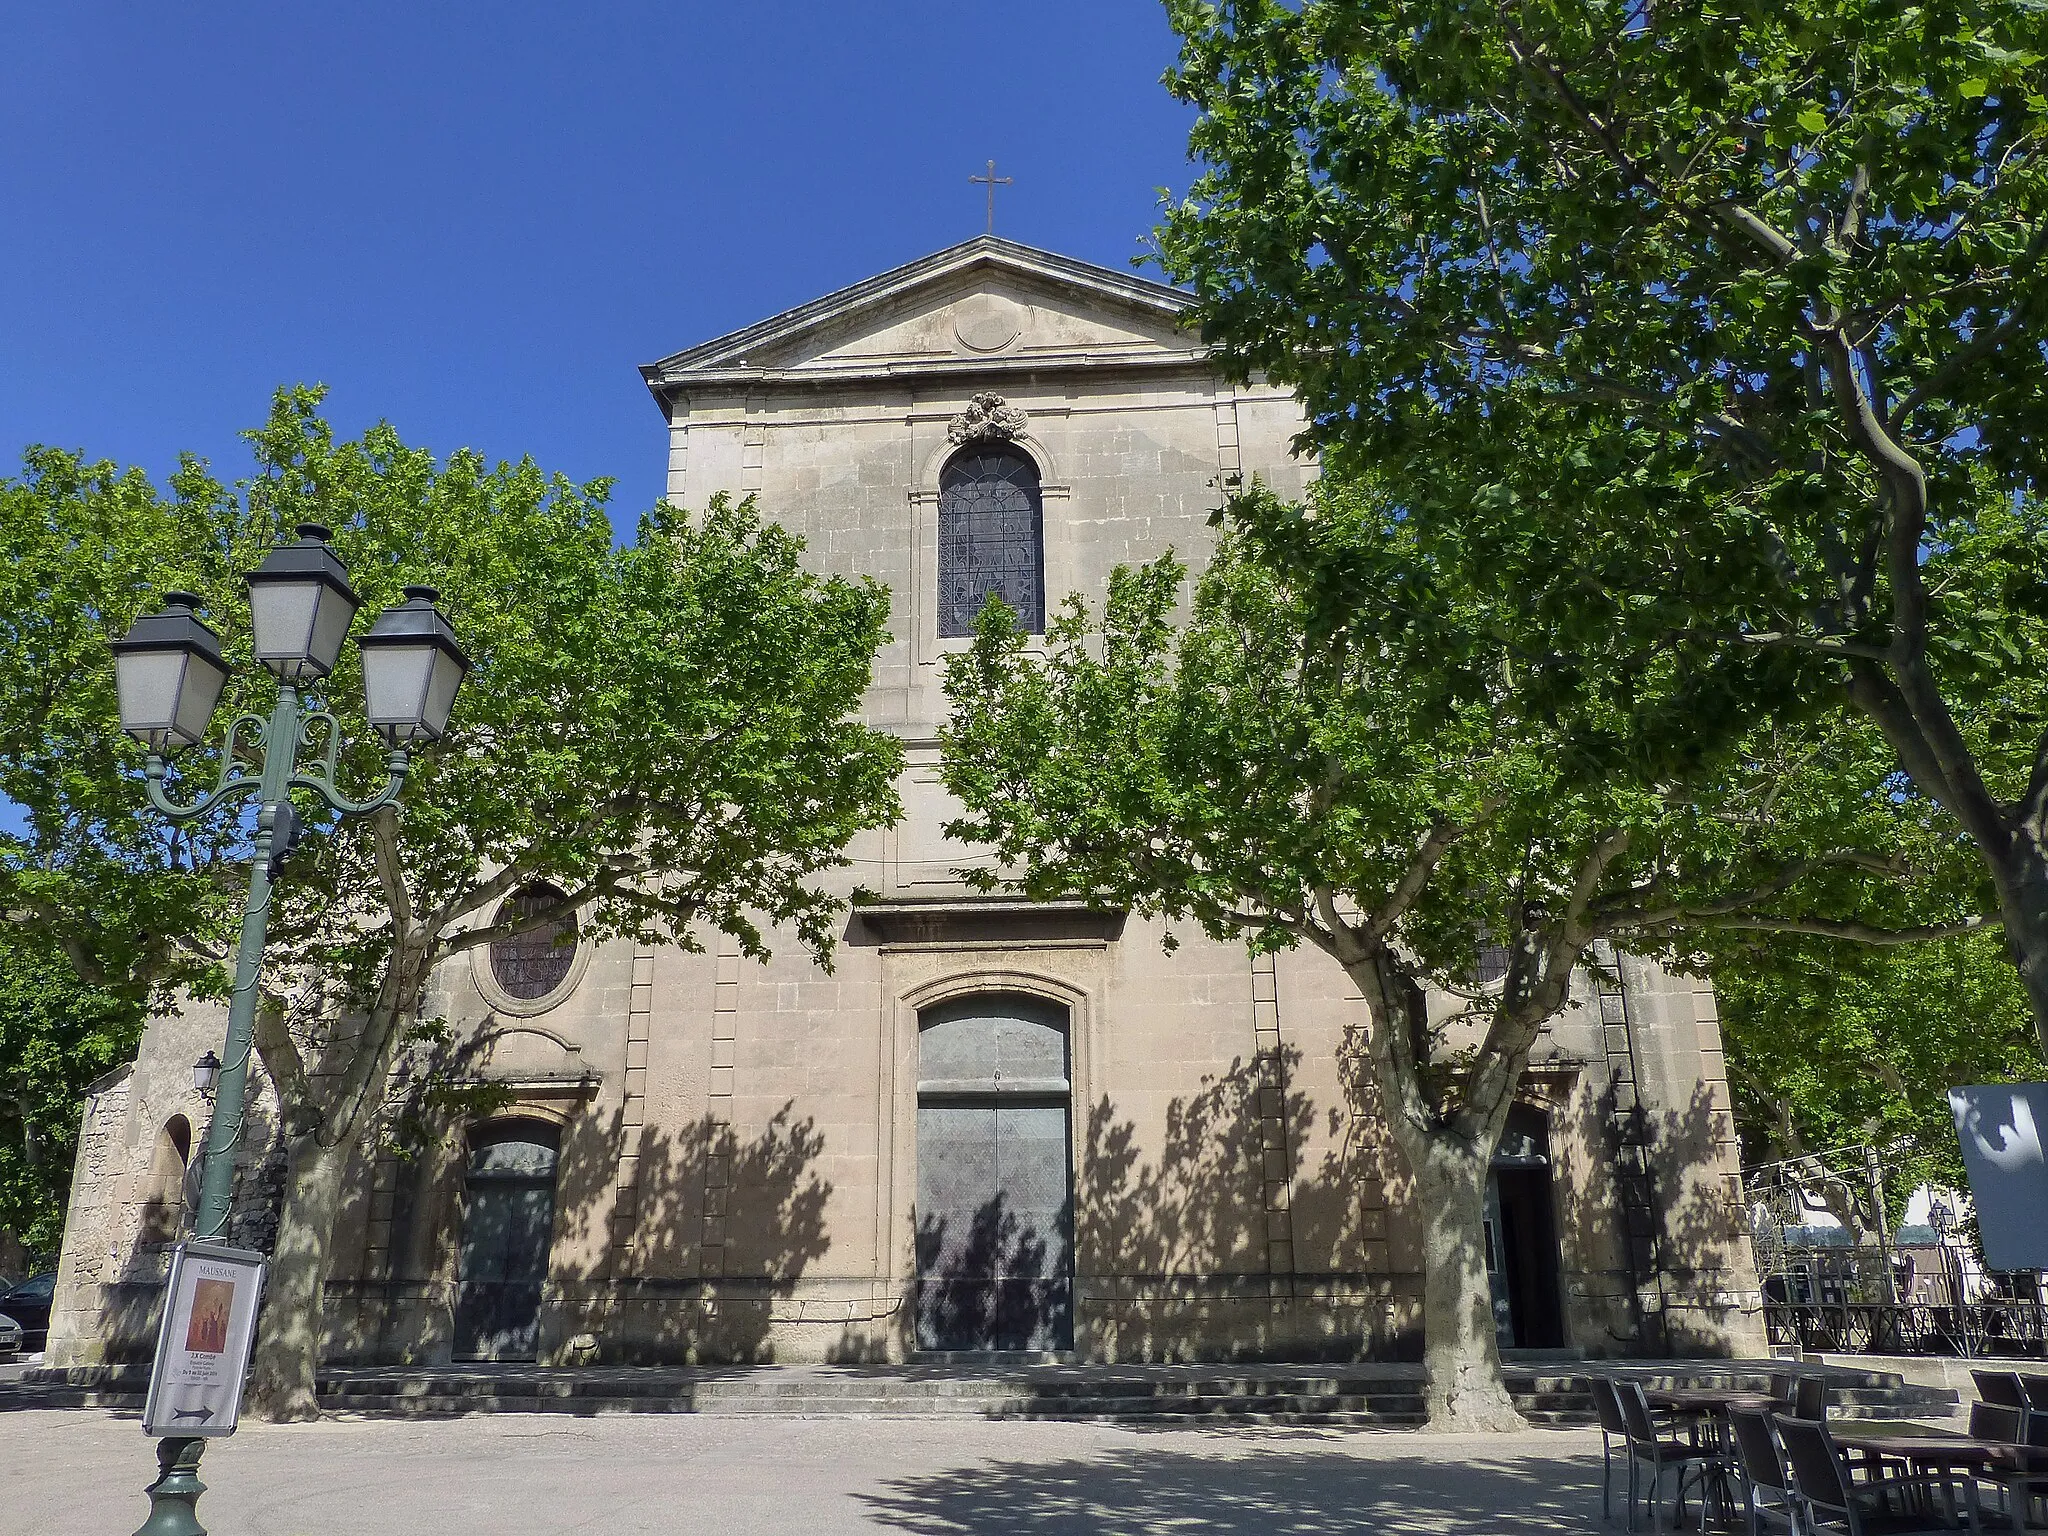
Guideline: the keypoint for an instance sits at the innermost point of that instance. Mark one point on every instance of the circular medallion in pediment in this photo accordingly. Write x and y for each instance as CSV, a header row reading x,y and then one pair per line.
x,y
988,322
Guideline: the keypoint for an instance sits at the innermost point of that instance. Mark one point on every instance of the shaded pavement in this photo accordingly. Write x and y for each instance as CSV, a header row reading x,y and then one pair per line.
x,y
541,1475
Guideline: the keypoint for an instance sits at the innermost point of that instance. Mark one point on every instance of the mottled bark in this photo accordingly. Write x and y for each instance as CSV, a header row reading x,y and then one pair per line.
x,y
281,1379
329,1120
1449,1150
1447,1119
1466,1393
2023,902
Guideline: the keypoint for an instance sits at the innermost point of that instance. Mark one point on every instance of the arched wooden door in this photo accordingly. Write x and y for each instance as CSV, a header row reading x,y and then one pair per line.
x,y
995,1204
508,1224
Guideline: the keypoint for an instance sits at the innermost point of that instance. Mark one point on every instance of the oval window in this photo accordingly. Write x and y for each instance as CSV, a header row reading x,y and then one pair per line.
x,y
534,962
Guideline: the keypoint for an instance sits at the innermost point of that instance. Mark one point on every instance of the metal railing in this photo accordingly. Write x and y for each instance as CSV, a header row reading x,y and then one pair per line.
x,y
1993,1326
1850,1288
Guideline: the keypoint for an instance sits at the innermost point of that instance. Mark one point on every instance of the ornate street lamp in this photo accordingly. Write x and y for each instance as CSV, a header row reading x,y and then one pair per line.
x,y
300,607
168,673
411,669
169,676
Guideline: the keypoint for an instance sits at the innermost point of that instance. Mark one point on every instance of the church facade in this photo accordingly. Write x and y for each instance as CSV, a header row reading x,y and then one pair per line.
x,y
993,1126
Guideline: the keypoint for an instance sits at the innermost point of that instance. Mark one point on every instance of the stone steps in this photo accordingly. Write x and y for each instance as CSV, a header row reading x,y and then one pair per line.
x,y
1370,1395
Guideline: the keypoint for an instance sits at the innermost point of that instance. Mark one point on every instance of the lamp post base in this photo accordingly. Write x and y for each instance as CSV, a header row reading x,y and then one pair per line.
x,y
176,1491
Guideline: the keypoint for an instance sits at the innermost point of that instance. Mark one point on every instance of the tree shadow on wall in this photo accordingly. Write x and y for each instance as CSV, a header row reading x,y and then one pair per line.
x,y
1000,1285
1248,1493
1178,1248
687,1263
1662,1239
1641,1211
721,1229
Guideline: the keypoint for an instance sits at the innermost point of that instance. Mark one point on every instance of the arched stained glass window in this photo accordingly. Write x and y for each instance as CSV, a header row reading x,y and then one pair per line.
x,y
991,538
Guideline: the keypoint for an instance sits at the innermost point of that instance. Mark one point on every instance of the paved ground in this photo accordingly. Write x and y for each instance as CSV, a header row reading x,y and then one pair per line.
x,y
81,1470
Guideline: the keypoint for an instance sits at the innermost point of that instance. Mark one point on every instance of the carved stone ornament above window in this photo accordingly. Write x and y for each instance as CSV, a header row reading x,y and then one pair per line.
x,y
989,418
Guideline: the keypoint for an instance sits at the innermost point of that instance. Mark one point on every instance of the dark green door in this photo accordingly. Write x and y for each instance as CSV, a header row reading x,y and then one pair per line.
x,y
508,1222
995,1208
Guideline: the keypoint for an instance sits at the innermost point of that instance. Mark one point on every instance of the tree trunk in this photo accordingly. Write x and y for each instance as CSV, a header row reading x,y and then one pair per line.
x,y
2023,904
2013,841
1467,1393
281,1384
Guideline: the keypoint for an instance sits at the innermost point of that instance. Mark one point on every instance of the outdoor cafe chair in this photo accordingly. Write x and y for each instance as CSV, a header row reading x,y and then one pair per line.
x,y
1648,1448
1995,1421
2034,1431
2034,1392
1613,1431
1770,1499
1810,1398
1831,1501
2000,1421
2001,1387
2033,1434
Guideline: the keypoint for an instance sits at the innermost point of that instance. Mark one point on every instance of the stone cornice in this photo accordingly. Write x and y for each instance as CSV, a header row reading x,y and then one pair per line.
x,y
1194,360
722,361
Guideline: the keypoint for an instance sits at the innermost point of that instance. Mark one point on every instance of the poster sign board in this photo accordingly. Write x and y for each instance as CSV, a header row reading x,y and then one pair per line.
x,y
203,1343
2003,1128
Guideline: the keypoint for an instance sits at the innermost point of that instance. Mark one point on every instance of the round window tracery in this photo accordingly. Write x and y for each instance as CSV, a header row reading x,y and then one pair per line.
x,y
535,962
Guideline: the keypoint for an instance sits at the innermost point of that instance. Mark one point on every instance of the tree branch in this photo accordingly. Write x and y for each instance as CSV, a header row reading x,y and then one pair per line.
x,y
1789,640
1977,348
2033,806
1428,854
281,1058
1611,917
1735,215
1861,933
391,869
1944,768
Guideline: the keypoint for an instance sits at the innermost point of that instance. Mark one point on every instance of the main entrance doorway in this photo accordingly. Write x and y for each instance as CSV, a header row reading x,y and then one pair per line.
x,y
1521,1235
508,1222
995,1203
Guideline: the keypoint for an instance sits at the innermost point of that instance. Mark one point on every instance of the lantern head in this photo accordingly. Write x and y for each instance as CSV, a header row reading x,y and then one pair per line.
x,y
168,674
412,666
300,607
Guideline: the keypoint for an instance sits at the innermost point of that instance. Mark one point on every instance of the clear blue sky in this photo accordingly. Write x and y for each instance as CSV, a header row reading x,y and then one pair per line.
x,y
475,221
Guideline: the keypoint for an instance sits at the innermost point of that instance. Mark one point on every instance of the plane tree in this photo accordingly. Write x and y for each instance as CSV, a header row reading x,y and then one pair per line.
x,y
1388,783
658,739
88,871
1692,330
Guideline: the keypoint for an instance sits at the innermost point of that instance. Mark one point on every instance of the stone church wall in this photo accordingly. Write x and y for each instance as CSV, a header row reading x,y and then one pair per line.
x,y
740,1183
141,1135
737,1167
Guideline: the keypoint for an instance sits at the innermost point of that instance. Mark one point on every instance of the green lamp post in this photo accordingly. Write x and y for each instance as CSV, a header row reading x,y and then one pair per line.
x,y
169,676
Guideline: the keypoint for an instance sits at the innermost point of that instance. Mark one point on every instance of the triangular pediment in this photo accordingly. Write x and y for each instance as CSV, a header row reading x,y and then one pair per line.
x,y
987,302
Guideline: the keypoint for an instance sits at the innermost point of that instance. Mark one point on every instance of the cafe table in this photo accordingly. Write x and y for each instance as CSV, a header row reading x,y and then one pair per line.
x,y
1708,1408
1716,1400
1932,1453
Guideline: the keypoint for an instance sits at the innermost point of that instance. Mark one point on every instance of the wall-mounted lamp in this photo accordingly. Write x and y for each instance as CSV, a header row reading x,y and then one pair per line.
x,y
206,1073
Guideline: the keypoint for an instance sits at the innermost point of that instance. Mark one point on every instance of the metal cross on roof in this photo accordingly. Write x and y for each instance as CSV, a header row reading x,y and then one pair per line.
x,y
993,181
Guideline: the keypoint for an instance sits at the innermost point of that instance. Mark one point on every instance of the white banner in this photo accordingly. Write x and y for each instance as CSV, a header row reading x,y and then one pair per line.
x,y
203,1343
2002,1128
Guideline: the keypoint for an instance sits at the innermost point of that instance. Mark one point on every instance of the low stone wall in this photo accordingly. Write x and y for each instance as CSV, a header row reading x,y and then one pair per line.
x,y
1118,1320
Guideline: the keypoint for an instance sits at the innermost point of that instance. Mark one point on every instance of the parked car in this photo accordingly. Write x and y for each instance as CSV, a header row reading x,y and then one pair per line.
x,y
10,1338
29,1305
